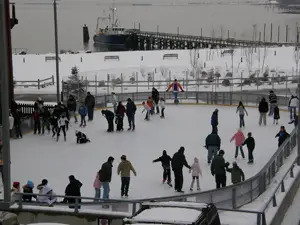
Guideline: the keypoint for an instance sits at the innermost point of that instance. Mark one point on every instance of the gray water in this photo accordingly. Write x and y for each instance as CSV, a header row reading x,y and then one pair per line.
x,y
35,30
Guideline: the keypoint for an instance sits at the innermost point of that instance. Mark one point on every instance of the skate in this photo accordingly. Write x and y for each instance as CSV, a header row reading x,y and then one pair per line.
x,y
180,191
133,129
129,128
198,189
170,185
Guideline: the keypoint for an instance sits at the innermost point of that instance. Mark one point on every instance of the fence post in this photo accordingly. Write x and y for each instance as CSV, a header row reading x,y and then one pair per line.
x,y
292,171
96,85
258,220
134,208
234,198
153,79
107,84
105,100
274,200
38,83
20,201
121,83
137,82
264,221
197,97
241,81
52,79
76,205
282,186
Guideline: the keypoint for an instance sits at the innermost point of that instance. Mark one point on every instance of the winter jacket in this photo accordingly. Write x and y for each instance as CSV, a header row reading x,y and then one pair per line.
x,y
90,101
150,103
155,95
13,193
72,189
124,168
239,138
130,109
218,166
120,110
39,105
36,116
272,98
97,183
237,174
18,116
46,115
162,104
283,135
109,115
263,106
28,190
241,110
294,101
250,142
146,108
11,122
214,119
57,111
195,168
165,161
62,121
178,161
114,99
83,110
213,140
71,104
105,172
175,86
276,113
46,190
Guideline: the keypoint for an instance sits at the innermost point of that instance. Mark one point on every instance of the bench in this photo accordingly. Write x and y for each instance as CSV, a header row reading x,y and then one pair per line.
x,y
170,55
112,57
51,58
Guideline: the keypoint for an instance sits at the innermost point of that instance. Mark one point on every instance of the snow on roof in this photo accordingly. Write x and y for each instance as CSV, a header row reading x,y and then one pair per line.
x,y
178,204
168,215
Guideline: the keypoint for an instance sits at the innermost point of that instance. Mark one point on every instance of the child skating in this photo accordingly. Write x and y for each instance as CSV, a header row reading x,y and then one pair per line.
x,y
250,142
82,112
165,160
276,115
196,171
62,126
242,111
162,107
147,109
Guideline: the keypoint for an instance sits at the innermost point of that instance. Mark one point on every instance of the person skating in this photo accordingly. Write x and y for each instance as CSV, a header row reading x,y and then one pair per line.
x,y
46,120
72,106
178,161
150,104
81,138
162,104
39,105
90,104
83,111
237,174
276,115
250,142
293,105
17,122
124,169
239,140
272,101
263,108
218,169
47,192
109,115
114,101
130,112
282,135
105,176
97,187
148,111
175,86
37,122
212,144
215,121
54,125
242,111
61,125
120,112
165,160
72,189
28,190
64,110
155,97
196,171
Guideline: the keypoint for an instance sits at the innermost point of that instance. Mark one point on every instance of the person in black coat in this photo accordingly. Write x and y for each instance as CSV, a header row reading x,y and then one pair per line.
x,y
212,144
72,106
46,120
263,108
109,115
250,142
178,161
17,122
130,112
282,135
215,121
155,97
81,138
72,189
105,176
90,104
165,160
218,169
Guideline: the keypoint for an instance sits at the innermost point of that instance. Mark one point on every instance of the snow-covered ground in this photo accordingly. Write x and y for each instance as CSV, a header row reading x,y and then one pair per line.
x,y
279,62
36,157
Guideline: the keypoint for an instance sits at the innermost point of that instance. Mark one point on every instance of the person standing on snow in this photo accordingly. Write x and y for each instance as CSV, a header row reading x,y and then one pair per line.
x,y
263,108
196,171
218,169
120,112
155,97
237,174
215,121
105,176
212,144
178,161
175,88
72,106
272,101
282,136
124,169
114,101
239,140
90,104
165,160
109,115
72,189
130,112
293,105
241,109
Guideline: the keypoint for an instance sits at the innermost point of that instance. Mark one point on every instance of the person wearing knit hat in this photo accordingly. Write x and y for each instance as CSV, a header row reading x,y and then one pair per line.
x,y
218,169
28,189
15,189
124,169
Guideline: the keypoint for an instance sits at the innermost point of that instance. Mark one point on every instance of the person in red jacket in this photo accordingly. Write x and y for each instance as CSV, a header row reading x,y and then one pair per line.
x,y
175,86
36,119
120,112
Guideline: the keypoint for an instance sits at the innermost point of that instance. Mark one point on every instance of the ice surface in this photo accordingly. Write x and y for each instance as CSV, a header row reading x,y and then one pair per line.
x,y
36,157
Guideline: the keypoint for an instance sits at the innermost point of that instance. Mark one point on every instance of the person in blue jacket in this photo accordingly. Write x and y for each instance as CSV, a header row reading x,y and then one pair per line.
x,y
82,112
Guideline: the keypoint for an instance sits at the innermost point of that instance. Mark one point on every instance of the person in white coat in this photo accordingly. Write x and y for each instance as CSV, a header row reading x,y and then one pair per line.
x,y
293,105
196,171
62,122
162,107
114,101
44,189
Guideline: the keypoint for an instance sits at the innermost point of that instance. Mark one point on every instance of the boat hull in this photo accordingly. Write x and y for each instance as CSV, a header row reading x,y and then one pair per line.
x,y
111,39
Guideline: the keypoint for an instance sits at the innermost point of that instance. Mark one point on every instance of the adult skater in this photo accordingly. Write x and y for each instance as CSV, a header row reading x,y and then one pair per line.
x,y
72,189
90,104
263,108
178,161
250,142
218,169
37,122
276,115
72,106
237,174
272,101
212,144
293,104
124,169
239,140
241,110
120,112
46,120
17,122
155,97
162,104
215,121
114,101
83,111
165,160
109,115
61,125
175,88
130,112
105,176
48,193
282,136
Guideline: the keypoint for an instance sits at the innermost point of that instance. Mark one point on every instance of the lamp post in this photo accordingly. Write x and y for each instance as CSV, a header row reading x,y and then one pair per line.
x,y
56,53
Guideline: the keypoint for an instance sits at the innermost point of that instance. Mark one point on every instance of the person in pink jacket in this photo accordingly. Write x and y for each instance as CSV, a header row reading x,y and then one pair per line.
x,y
97,186
239,140
195,170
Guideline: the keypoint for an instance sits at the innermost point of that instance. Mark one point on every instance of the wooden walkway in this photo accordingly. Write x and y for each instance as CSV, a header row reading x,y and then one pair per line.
x,y
147,40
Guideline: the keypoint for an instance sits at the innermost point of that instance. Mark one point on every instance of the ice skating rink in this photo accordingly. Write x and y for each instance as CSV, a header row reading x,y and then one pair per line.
x,y
36,157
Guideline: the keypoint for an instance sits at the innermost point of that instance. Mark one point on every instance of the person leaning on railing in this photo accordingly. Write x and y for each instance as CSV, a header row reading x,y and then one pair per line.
x,y
282,135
